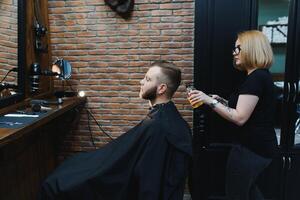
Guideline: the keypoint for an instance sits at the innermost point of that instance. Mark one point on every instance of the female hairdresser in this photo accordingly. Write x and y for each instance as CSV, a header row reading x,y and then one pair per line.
x,y
251,107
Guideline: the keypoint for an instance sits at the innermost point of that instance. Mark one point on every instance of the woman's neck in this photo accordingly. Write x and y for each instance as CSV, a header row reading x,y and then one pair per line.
x,y
249,71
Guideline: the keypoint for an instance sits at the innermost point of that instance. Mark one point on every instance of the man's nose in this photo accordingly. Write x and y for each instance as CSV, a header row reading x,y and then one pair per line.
x,y
142,81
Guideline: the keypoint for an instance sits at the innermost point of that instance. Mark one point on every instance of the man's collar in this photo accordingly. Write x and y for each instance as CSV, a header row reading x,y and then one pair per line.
x,y
159,105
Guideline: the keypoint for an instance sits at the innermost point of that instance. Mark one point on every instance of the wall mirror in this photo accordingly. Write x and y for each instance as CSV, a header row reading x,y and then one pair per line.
x,y
12,51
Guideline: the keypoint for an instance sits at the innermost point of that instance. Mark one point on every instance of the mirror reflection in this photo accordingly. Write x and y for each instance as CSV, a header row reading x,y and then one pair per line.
x,y
273,22
63,68
60,69
8,48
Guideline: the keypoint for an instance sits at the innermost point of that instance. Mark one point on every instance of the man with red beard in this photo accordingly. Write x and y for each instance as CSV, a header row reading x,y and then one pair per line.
x,y
149,162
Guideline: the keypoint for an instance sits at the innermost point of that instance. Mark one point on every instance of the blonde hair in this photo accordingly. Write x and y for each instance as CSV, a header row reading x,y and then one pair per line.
x,y
256,51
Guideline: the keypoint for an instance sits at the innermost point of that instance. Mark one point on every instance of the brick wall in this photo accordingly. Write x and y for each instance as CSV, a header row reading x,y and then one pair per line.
x,y
8,39
109,54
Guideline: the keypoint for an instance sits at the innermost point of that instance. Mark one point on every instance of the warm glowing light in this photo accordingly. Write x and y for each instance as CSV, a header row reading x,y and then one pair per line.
x,y
81,93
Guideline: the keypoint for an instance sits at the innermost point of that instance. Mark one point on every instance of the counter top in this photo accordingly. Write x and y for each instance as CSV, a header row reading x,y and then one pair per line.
x,y
8,135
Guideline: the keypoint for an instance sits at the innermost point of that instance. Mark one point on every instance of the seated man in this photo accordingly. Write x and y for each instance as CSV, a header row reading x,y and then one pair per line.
x,y
149,162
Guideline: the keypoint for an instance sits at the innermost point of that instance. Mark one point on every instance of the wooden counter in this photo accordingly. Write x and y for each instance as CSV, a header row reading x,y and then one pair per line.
x,y
8,135
29,154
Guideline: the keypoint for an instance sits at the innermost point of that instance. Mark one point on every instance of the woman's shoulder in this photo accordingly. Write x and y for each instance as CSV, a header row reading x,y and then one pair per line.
x,y
260,75
256,82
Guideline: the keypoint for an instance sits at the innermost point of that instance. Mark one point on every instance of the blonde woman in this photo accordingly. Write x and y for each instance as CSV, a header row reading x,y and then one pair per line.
x,y
251,108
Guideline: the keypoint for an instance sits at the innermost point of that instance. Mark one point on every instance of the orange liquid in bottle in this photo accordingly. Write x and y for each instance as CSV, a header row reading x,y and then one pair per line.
x,y
189,88
197,104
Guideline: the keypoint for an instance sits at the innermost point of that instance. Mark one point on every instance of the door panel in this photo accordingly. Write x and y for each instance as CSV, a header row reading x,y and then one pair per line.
x,y
214,73
270,181
294,47
292,191
214,38
208,178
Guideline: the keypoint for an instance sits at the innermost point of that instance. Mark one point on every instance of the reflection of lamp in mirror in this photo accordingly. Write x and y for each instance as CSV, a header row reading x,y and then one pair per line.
x,y
56,69
61,69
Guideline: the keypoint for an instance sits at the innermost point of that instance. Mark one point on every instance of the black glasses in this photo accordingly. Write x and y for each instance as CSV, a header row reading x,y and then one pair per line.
x,y
236,50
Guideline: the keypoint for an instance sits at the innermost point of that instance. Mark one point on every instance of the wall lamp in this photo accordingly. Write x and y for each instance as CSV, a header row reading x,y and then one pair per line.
x,y
61,69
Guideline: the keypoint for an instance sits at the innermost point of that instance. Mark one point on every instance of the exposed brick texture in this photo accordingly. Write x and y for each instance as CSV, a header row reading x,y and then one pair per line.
x,y
8,39
109,55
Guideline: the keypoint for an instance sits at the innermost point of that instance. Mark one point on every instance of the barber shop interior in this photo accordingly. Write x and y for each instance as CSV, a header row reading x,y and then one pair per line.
x,y
149,99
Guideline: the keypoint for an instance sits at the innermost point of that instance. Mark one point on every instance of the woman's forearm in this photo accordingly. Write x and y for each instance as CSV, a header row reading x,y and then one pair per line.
x,y
226,112
238,115
223,101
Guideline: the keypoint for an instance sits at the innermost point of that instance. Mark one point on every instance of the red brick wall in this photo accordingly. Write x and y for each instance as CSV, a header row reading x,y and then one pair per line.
x,y
109,54
8,39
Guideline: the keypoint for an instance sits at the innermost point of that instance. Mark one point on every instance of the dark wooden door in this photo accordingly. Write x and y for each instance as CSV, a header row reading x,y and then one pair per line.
x,y
292,136
292,181
217,23
271,181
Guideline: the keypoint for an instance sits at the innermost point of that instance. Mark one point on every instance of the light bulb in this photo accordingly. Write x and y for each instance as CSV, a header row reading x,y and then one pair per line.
x,y
81,93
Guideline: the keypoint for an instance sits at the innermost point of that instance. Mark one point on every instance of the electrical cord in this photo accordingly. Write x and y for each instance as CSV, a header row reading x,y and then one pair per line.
x,y
90,114
37,10
68,83
99,125
11,70
89,126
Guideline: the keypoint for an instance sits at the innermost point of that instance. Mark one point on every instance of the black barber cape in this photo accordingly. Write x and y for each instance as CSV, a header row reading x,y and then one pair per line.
x,y
149,162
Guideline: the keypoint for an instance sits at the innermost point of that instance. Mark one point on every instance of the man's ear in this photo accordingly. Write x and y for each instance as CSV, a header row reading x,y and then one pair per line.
x,y
162,88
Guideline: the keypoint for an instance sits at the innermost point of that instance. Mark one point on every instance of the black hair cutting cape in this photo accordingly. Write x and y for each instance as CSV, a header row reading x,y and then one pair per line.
x,y
149,162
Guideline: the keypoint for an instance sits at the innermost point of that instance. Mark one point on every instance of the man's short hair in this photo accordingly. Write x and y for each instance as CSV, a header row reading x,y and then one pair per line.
x,y
171,76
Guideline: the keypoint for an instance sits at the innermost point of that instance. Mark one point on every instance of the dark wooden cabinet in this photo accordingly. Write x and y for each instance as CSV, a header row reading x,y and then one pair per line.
x,y
217,23
29,153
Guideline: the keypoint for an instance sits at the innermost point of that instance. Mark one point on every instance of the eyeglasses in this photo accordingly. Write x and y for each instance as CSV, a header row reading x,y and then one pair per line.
x,y
236,50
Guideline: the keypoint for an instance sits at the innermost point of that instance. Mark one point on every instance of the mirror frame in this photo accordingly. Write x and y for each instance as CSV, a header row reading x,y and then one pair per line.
x,y
21,57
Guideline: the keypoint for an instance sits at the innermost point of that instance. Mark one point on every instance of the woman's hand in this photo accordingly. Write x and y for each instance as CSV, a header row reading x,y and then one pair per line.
x,y
196,96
